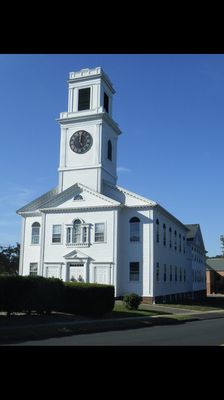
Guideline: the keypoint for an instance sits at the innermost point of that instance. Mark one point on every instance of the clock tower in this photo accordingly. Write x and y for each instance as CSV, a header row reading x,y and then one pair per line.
x,y
88,149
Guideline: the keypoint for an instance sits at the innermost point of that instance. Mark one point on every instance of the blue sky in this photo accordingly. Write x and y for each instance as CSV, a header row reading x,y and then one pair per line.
x,y
169,107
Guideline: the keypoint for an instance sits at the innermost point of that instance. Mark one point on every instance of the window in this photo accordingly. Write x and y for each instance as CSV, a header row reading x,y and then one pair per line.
x,y
35,233
175,240
170,233
109,150
171,273
157,231
180,243
184,275
76,231
164,234
184,244
134,229
106,102
84,234
99,232
157,272
175,273
84,99
56,234
33,269
164,274
134,271
180,274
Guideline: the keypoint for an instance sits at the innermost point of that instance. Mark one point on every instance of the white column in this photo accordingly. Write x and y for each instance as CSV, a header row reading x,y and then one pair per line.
x,y
22,246
115,250
152,261
42,245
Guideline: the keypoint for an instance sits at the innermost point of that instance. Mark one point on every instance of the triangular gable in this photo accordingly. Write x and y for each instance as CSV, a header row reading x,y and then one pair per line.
x,y
75,254
126,197
195,234
199,239
70,198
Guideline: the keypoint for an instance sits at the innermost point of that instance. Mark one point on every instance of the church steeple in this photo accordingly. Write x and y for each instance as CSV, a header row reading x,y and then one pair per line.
x,y
88,152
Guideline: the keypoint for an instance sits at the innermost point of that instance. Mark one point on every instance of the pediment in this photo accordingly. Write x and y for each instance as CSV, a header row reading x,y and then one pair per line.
x,y
79,196
75,254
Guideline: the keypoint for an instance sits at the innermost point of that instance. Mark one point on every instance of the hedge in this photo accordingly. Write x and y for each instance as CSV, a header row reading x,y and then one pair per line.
x,y
30,293
43,295
88,298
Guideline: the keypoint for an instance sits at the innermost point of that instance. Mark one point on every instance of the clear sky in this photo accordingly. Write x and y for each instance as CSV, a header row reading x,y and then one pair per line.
x,y
169,107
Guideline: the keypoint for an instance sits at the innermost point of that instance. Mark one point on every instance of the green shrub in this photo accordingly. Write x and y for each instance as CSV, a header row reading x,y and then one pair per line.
x,y
88,298
132,301
30,293
46,294
13,293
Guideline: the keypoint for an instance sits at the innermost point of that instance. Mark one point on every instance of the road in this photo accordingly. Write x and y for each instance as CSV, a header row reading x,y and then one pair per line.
x,y
195,333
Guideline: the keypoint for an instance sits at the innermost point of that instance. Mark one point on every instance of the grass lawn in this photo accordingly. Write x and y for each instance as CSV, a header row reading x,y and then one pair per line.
x,y
120,311
207,304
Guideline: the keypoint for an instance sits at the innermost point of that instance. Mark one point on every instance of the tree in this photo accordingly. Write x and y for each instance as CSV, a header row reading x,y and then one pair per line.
x,y
9,259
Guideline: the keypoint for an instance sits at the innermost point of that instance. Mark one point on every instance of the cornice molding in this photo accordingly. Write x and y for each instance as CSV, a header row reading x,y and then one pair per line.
x,y
71,117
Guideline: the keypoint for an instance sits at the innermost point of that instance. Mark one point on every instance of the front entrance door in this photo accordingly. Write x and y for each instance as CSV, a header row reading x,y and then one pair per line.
x,y
76,272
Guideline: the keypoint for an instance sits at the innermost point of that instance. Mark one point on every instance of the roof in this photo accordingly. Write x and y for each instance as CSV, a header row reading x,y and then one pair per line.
x,y
216,264
39,202
54,198
193,228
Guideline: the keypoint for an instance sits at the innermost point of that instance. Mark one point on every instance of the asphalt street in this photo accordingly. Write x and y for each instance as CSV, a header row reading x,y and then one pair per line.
x,y
208,332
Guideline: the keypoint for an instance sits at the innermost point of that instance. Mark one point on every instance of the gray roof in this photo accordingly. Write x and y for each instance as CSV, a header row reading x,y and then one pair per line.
x,y
193,228
39,202
216,264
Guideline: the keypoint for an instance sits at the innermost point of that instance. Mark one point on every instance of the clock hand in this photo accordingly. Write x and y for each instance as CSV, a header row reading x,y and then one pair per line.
x,y
80,138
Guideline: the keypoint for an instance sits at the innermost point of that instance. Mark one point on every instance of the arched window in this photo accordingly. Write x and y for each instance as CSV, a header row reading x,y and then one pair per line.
x,y
76,231
157,231
109,150
35,239
134,229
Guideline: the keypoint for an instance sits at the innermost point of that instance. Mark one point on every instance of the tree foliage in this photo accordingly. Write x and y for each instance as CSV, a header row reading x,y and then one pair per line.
x,y
9,259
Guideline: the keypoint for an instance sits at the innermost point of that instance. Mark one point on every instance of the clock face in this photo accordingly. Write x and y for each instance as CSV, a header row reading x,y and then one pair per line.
x,y
81,141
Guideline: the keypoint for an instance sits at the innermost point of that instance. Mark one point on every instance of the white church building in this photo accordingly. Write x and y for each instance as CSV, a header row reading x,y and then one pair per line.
x,y
91,230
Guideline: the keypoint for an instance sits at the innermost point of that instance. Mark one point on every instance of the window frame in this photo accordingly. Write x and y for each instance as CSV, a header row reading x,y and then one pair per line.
x,y
52,236
78,104
104,238
134,280
37,226
131,235
31,273
84,233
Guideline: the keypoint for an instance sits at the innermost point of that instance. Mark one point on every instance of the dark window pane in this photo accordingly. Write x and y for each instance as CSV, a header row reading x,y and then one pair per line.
x,y
134,271
109,150
106,102
84,99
